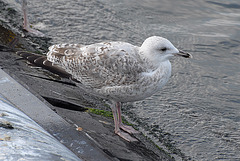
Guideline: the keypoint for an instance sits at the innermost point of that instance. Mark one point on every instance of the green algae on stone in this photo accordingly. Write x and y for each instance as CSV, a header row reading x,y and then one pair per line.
x,y
107,114
100,112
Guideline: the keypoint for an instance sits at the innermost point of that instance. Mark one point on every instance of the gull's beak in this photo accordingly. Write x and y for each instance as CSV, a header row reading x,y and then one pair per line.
x,y
183,54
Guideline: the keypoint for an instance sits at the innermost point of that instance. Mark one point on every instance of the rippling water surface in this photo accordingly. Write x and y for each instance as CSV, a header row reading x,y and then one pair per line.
x,y
197,114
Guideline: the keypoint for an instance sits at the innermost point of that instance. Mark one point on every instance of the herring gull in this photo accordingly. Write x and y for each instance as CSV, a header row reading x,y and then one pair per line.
x,y
118,71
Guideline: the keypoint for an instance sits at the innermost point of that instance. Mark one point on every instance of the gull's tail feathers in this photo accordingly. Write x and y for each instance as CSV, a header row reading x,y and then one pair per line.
x,y
41,61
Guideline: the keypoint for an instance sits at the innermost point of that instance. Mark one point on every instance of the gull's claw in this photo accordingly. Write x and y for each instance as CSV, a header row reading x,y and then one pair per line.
x,y
128,129
126,136
33,31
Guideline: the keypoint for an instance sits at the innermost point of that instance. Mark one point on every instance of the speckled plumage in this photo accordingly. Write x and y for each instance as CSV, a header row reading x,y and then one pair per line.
x,y
113,70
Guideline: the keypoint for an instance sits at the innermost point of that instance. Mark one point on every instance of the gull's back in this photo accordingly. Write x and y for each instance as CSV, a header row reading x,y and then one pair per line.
x,y
99,66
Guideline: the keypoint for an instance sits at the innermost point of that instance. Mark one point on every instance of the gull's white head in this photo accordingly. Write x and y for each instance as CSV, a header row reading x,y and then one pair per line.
x,y
158,49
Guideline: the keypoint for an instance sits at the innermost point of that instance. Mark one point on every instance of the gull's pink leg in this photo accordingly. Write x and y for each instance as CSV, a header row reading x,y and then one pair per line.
x,y
126,128
26,25
25,19
117,129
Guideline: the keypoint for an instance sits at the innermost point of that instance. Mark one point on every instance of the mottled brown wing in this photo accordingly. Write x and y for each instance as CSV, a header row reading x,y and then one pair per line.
x,y
98,65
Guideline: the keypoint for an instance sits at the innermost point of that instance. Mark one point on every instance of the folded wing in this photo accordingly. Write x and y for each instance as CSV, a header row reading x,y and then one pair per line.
x,y
98,65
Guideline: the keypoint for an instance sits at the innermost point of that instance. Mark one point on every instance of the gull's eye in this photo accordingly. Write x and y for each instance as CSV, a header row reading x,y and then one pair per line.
x,y
163,49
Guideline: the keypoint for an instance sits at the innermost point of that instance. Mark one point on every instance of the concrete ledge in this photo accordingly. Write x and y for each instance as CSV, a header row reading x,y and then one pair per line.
x,y
25,101
22,139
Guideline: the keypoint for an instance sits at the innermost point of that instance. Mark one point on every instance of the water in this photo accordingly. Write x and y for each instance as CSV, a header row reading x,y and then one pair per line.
x,y
197,114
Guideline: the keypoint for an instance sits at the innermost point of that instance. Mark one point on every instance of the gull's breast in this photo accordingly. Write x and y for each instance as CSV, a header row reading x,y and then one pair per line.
x,y
147,84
